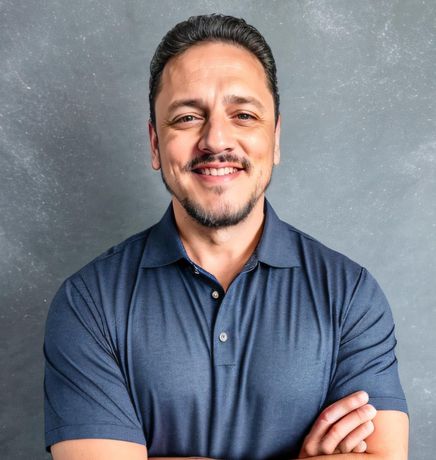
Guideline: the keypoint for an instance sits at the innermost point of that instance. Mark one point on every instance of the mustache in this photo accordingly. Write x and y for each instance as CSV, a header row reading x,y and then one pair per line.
x,y
208,158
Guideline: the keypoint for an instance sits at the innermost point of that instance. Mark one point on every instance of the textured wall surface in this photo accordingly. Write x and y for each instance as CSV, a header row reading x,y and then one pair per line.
x,y
358,170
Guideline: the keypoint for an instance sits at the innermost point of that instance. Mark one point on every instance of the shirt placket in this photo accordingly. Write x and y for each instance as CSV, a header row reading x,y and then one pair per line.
x,y
225,340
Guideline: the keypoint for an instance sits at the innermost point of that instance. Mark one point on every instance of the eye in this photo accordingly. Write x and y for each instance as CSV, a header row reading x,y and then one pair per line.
x,y
185,119
245,116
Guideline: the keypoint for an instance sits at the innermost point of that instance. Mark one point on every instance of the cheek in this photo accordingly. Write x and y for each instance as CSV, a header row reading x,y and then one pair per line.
x,y
180,146
259,148
174,153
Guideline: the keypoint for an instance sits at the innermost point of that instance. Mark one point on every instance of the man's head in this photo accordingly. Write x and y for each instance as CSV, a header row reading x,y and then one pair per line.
x,y
211,28
214,121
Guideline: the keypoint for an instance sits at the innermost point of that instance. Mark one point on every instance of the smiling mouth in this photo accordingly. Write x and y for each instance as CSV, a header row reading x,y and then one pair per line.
x,y
216,171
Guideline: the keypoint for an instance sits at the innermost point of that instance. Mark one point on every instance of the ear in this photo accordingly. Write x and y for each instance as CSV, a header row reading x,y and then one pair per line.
x,y
154,145
277,141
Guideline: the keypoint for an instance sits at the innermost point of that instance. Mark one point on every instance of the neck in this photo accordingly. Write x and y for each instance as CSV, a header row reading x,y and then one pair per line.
x,y
229,247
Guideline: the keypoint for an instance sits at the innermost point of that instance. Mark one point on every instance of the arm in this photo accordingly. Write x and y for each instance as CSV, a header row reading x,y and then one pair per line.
x,y
351,425
342,427
366,359
389,441
103,449
98,449
85,395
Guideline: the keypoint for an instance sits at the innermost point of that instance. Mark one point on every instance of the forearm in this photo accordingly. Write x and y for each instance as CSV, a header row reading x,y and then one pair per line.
x,y
364,456
360,456
321,457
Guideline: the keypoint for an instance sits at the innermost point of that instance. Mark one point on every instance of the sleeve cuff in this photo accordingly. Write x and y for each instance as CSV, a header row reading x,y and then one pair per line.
x,y
93,431
389,403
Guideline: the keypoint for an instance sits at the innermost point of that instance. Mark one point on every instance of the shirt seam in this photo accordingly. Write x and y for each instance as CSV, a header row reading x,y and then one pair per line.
x,y
353,294
94,424
143,234
342,318
109,348
104,342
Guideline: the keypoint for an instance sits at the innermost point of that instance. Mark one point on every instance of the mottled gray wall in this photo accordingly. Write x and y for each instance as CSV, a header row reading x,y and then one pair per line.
x,y
357,81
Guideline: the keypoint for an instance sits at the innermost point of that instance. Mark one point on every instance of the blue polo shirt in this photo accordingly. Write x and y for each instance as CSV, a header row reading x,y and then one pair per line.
x,y
142,345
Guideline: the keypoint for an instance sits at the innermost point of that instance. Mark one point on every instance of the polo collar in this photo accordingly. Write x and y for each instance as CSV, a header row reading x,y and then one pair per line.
x,y
278,245
163,245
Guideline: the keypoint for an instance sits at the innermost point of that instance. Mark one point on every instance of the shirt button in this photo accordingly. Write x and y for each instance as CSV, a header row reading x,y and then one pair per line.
x,y
215,294
196,272
223,337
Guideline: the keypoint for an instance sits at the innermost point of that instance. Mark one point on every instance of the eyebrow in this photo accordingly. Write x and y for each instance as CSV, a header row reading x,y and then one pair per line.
x,y
185,103
234,99
227,100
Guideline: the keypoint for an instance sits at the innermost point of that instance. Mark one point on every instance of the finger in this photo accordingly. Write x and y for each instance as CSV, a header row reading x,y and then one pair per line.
x,y
344,427
339,431
354,442
335,412
348,432
361,448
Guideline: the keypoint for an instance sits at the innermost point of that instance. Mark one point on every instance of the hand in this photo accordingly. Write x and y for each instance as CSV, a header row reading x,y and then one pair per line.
x,y
341,427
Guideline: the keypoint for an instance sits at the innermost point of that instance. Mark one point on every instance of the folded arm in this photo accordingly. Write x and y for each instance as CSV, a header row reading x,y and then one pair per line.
x,y
389,440
103,449
350,426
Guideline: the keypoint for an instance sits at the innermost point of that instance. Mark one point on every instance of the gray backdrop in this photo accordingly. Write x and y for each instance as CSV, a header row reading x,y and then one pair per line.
x,y
357,82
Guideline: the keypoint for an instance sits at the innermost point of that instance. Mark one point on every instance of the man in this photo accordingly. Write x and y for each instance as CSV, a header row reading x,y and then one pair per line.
x,y
221,331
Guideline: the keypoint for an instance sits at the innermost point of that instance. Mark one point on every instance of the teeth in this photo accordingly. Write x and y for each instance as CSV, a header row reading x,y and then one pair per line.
x,y
217,171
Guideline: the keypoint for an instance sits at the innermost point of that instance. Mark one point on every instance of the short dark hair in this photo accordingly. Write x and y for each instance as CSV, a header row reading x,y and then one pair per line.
x,y
211,28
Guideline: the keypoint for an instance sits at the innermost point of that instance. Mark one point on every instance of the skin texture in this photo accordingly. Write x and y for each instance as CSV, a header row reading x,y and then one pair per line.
x,y
228,112
215,125
98,449
341,427
216,77
389,440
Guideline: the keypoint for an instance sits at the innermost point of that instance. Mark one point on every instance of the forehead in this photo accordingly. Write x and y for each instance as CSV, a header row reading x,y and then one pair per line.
x,y
213,65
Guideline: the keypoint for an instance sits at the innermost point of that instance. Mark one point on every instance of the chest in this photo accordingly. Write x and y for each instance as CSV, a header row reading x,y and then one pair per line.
x,y
264,345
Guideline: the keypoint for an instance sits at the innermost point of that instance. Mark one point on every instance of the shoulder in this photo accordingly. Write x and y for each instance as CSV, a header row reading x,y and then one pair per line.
x,y
117,264
349,284
100,292
331,277
316,255
131,247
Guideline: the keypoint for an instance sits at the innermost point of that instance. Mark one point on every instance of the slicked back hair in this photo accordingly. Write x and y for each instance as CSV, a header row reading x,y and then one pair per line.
x,y
211,28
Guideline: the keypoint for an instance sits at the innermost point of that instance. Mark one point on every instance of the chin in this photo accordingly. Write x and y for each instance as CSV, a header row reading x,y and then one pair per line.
x,y
223,215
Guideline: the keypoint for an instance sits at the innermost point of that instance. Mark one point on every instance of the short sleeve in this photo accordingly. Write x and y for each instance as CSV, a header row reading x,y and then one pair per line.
x,y
85,393
366,356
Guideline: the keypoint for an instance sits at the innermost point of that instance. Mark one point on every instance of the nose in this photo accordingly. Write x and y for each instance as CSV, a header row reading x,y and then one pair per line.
x,y
217,135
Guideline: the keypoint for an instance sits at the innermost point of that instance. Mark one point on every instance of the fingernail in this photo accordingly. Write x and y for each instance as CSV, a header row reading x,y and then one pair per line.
x,y
363,396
